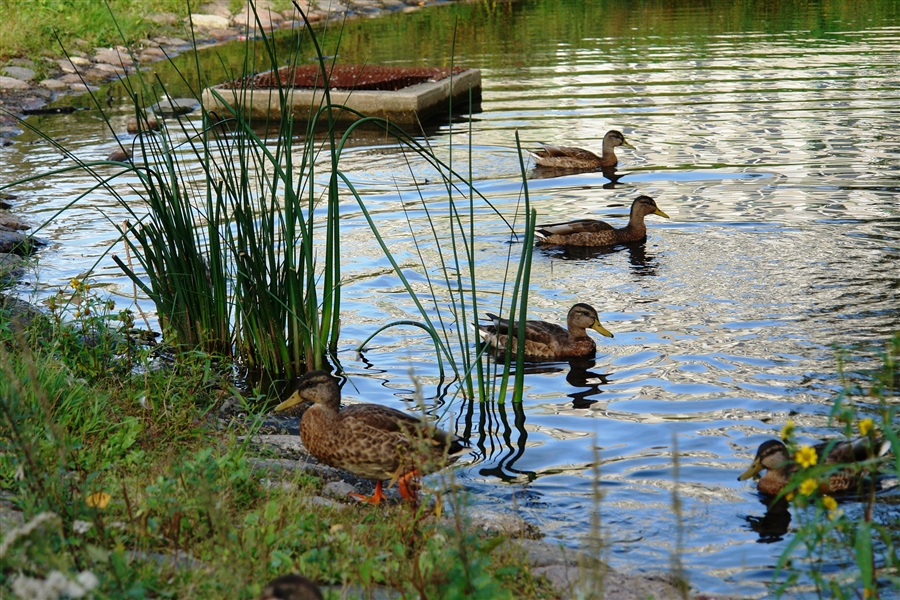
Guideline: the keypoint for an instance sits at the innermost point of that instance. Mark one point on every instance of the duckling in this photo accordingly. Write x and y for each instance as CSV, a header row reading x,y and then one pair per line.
x,y
773,457
566,157
590,232
369,440
545,340
291,587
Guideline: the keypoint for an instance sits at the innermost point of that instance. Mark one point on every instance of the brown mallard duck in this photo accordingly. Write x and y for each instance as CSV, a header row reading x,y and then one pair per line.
x,y
773,457
291,587
369,440
590,232
545,340
566,157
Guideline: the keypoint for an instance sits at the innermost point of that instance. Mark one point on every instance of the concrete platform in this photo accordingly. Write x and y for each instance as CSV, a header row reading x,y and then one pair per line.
x,y
407,106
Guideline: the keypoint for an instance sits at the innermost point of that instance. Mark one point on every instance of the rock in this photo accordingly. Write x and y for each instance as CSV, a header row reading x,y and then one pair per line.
x,y
22,62
19,313
11,267
54,85
164,18
172,42
326,503
13,242
173,107
109,70
576,574
151,54
338,489
11,83
95,75
223,34
219,9
204,21
506,524
20,73
120,155
70,79
118,57
9,221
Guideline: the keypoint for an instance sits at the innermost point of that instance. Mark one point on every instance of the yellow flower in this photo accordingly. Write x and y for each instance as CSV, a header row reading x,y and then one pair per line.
x,y
787,431
808,486
865,426
789,497
806,457
829,503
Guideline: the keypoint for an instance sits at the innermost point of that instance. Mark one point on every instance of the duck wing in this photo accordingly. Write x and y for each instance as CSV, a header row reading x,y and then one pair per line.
x,y
551,151
573,227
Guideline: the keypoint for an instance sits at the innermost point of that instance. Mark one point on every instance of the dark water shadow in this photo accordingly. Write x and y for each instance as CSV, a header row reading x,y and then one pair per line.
x,y
643,263
540,172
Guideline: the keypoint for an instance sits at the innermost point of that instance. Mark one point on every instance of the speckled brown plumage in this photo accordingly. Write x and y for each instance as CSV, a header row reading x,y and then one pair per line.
x,y
369,440
590,232
545,340
773,457
567,157
291,587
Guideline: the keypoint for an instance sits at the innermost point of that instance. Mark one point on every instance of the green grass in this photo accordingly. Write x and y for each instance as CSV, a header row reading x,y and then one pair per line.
x,y
176,485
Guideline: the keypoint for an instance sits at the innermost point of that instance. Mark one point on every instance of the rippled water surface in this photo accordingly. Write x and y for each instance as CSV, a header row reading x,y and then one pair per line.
x,y
768,131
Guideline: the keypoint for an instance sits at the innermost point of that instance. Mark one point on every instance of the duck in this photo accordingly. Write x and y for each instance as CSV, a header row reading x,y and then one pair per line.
x,y
291,587
545,341
567,157
369,440
591,232
774,457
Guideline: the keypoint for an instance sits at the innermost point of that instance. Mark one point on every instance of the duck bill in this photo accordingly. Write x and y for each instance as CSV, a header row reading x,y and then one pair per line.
x,y
660,212
755,468
625,144
294,400
601,329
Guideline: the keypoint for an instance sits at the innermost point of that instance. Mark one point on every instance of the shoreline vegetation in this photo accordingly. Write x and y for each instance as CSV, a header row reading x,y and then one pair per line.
x,y
131,468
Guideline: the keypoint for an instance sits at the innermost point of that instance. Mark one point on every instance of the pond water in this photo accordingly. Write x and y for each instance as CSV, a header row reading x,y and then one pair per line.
x,y
768,131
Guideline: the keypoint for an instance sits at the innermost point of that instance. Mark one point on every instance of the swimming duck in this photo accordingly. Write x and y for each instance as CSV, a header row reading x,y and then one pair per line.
x,y
369,440
773,456
590,232
545,340
291,587
566,157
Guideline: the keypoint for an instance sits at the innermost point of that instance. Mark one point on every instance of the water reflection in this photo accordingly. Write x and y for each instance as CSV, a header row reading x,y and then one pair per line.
x,y
642,263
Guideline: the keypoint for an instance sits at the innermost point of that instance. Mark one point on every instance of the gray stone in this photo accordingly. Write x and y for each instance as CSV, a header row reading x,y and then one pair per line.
x,y
220,9
12,266
10,83
151,54
22,73
22,62
54,85
339,489
70,79
164,18
507,524
12,222
113,56
16,243
210,21
576,574
326,502
173,107
172,42
109,69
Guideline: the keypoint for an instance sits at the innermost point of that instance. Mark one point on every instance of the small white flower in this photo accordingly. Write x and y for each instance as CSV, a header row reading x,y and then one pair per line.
x,y
81,527
87,580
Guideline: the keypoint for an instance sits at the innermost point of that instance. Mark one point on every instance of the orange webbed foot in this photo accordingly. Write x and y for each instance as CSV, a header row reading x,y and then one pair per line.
x,y
375,498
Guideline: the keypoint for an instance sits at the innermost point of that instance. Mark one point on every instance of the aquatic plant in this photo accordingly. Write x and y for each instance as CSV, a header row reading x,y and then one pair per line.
x,y
862,535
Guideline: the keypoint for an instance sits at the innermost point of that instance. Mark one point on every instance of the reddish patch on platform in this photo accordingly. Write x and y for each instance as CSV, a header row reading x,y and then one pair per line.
x,y
347,77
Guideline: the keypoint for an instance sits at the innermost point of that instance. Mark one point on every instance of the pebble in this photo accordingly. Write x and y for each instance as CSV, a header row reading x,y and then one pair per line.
x,y
20,73
11,83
